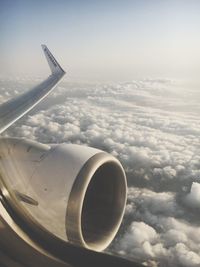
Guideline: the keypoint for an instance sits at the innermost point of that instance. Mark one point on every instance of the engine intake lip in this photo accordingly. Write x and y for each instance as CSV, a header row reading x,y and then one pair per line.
x,y
95,211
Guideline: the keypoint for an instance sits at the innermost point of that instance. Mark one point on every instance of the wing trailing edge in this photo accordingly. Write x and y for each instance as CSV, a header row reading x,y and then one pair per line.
x,y
15,108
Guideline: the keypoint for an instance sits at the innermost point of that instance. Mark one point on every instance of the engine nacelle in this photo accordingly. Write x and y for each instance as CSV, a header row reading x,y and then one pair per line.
x,y
75,192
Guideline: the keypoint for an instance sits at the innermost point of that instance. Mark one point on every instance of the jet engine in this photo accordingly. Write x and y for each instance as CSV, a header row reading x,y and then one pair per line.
x,y
74,192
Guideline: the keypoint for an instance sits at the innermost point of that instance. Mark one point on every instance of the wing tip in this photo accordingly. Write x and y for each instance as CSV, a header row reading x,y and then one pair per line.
x,y
53,64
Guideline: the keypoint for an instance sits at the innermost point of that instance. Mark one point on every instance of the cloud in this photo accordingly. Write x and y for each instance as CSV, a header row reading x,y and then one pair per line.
x,y
138,240
192,199
163,228
152,126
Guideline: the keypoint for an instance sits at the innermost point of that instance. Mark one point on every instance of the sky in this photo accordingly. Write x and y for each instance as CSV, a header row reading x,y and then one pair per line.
x,y
135,103
102,40
152,126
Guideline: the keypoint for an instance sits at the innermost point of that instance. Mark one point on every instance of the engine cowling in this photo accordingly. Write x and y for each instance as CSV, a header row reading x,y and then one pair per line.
x,y
75,192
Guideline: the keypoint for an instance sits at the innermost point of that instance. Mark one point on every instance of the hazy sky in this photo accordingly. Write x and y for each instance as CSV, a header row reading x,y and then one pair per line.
x,y
102,40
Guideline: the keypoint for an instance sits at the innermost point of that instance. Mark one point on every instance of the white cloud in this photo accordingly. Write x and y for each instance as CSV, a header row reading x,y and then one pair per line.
x,y
138,240
160,222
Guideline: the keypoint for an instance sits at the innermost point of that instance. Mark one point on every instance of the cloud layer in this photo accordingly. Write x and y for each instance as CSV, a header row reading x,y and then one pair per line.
x,y
153,128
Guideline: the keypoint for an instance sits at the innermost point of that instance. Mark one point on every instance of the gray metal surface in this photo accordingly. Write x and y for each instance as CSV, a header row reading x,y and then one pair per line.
x,y
15,108
23,246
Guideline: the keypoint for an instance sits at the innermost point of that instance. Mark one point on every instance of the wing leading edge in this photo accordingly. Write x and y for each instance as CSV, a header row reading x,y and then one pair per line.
x,y
17,107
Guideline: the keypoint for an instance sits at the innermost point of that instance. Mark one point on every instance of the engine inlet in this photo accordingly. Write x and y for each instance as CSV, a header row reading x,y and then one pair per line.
x,y
96,212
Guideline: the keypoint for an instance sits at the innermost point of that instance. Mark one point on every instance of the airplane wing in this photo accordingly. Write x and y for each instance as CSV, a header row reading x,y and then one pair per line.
x,y
23,241
14,109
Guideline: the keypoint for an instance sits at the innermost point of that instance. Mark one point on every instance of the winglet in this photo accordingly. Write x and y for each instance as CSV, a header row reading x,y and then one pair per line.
x,y
53,64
